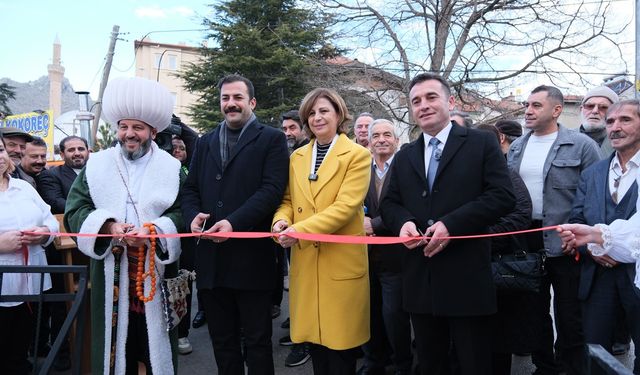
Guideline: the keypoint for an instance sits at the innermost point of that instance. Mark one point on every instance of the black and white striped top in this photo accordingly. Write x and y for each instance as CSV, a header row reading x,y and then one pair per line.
x,y
320,154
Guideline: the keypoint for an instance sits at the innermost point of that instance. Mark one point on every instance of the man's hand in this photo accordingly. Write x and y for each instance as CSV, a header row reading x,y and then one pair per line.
x,y
409,230
132,238
198,221
221,226
117,230
438,233
605,261
35,239
368,228
10,241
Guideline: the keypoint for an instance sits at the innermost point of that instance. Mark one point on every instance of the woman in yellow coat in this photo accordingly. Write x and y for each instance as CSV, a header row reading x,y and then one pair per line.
x,y
328,282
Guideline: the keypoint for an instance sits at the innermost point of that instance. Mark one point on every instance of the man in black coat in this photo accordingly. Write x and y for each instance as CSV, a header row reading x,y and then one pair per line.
x,y
54,183
236,181
451,181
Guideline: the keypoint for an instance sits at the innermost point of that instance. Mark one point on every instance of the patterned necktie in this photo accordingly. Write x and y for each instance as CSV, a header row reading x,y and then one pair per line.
x,y
433,162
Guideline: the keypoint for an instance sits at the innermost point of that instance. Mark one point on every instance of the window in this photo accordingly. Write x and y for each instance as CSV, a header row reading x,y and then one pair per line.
x,y
172,63
157,60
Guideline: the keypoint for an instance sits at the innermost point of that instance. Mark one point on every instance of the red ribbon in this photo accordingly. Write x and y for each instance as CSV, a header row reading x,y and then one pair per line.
x,y
25,254
315,237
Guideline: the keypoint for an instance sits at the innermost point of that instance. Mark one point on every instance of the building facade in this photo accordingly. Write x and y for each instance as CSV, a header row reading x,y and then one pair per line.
x,y
161,62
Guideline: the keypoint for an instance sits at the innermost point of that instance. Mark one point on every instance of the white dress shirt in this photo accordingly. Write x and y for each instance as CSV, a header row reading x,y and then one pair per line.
x,y
380,172
442,136
625,180
22,208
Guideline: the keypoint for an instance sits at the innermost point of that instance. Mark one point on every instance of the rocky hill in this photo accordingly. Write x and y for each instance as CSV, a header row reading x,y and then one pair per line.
x,y
34,95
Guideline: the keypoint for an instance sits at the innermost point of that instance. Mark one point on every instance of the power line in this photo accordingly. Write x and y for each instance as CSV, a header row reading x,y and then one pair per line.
x,y
135,50
546,71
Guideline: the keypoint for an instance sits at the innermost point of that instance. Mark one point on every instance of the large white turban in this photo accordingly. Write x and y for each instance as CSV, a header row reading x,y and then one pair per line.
x,y
137,99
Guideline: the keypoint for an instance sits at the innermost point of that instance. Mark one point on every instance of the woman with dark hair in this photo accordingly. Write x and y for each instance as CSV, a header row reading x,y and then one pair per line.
x,y
22,211
514,325
328,282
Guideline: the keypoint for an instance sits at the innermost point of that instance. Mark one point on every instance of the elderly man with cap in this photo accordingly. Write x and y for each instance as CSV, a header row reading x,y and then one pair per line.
x,y
592,116
16,140
126,191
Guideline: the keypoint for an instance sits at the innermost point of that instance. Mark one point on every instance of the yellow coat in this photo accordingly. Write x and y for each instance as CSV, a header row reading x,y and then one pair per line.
x,y
328,283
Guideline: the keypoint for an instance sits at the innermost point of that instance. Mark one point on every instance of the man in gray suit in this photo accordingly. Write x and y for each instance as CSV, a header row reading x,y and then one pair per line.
x,y
608,191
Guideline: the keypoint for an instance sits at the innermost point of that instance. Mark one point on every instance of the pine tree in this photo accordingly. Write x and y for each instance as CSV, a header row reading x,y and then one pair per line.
x,y
268,41
6,92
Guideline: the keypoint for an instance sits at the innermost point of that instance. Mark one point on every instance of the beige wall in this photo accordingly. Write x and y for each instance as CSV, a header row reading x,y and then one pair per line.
x,y
570,116
172,58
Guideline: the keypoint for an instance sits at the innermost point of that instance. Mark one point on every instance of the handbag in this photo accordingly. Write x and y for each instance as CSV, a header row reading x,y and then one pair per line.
x,y
174,297
520,271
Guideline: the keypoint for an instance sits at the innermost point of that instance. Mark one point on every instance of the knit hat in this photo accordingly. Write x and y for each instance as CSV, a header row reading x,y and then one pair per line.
x,y
602,91
509,127
137,99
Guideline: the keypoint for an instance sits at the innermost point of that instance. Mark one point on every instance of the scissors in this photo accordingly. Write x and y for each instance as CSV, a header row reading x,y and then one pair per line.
x,y
201,230
423,239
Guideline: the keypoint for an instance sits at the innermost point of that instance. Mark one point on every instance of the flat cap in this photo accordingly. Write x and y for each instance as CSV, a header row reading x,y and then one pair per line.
x,y
11,131
509,127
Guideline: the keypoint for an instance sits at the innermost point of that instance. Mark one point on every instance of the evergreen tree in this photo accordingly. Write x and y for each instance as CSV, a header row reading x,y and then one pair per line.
x,y
6,92
268,41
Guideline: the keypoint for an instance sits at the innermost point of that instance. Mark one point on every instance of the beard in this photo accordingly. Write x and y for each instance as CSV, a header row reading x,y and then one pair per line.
x,y
291,142
76,163
590,126
137,154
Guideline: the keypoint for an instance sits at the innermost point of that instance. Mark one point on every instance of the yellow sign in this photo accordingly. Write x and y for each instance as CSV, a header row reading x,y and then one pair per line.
x,y
38,124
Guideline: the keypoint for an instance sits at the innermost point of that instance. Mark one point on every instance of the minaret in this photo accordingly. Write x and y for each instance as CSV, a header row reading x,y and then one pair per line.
x,y
56,75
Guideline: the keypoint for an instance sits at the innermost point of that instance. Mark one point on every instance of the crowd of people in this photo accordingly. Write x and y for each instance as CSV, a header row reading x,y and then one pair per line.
x,y
427,306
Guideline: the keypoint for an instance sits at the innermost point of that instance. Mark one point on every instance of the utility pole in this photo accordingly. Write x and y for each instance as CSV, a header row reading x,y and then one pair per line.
x,y
103,83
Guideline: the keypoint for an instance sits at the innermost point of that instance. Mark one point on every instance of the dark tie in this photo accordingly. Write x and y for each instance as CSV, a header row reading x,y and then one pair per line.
x,y
433,162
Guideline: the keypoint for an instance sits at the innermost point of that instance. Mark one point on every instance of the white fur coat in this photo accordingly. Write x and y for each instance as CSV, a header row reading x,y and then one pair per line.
x,y
160,186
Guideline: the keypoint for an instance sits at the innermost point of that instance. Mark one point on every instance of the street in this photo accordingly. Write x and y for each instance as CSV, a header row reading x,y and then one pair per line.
x,y
201,360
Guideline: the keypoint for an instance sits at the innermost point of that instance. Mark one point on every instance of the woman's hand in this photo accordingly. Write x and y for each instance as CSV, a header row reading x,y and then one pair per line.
x,y
286,241
575,235
281,227
10,241
36,238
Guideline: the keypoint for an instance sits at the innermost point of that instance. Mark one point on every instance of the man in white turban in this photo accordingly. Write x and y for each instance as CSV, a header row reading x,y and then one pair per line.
x,y
121,191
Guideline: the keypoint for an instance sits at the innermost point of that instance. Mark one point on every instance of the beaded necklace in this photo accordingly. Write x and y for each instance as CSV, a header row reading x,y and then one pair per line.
x,y
141,275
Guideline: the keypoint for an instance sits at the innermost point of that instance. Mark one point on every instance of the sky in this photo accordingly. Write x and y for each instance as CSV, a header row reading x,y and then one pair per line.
x,y
84,29
29,28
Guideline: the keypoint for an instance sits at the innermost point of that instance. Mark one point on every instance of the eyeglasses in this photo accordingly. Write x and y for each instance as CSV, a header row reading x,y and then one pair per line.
x,y
591,106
